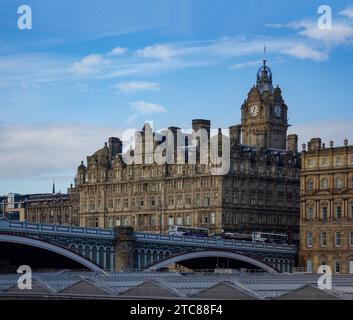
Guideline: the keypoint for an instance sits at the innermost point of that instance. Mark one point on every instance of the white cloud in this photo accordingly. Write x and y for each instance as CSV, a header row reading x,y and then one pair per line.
x,y
118,51
32,151
134,86
347,12
245,64
340,33
143,107
158,51
303,51
326,130
90,64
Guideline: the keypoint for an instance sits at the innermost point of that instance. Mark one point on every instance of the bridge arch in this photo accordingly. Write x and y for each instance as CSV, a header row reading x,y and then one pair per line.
x,y
211,254
51,248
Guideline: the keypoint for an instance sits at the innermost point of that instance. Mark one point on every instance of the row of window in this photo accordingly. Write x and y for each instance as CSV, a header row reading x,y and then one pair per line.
x,y
337,265
143,173
338,212
249,218
182,184
324,161
324,184
324,241
135,202
153,220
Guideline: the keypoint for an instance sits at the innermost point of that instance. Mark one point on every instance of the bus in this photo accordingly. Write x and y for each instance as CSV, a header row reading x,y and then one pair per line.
x,y
270,237
188,231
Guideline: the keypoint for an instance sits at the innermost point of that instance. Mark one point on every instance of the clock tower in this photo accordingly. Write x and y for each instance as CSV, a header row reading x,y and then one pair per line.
x,y
264,114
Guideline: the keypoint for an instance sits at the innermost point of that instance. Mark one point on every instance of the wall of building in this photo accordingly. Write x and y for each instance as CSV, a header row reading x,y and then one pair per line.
x,y
327,207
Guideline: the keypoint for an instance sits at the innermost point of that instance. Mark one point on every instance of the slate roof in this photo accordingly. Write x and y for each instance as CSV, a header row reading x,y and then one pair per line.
x,y
117,285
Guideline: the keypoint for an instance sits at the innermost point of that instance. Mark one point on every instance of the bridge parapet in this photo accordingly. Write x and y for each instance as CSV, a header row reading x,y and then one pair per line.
x,y
214,243
57,229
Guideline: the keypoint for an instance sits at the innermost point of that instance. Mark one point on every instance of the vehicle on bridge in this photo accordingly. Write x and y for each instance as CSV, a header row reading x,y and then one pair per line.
x,y
188,231
237,236
270,237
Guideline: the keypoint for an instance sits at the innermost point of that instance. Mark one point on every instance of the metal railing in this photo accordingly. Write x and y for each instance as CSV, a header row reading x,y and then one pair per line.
x,y
209,242
57,229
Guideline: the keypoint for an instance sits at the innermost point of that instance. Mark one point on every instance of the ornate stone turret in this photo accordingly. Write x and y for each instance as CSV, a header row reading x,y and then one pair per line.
x,y
264,79
264,114
81,173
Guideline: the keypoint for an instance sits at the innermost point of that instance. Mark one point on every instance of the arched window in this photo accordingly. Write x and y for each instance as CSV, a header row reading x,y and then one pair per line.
x,y
179,220
338,183
324,184
324,213
338,212
170,220
310,185
188,220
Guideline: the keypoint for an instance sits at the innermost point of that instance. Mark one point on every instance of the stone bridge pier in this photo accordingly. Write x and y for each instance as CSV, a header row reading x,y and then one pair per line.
x,y
124,244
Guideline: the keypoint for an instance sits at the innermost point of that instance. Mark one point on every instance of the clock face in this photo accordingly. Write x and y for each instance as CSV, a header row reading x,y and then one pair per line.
x,y
254,110
277,110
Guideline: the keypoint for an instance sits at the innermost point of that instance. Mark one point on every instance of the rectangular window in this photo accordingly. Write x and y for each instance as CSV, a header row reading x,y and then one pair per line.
x,y
338,239
309,239
324,213
337,267
338,212
323,240
351,238
213,218
309,265
110,204
310,213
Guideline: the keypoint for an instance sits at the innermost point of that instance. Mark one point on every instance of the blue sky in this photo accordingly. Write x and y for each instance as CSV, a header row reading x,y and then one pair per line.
x,y
89,69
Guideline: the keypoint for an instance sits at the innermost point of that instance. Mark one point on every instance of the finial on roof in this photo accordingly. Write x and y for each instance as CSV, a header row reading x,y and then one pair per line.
x,y
264,60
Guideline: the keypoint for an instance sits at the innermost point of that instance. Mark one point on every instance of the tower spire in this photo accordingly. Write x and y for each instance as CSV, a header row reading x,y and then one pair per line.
x,y
264,60
53,191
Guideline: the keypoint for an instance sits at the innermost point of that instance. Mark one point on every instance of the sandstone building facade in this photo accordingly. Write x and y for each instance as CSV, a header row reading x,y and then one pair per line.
x,y
326,224
53,208
260,192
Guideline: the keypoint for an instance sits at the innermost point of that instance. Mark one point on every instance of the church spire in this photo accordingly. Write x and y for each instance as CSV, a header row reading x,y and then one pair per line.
x,y
53,191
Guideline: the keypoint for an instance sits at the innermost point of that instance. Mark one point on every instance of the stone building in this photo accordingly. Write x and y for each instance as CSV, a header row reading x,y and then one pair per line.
x,y
57,208
54,208
259,192
326,224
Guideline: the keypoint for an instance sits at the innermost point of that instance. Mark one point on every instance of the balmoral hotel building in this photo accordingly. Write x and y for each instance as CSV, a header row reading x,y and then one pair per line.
x,y
259,193
326,226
